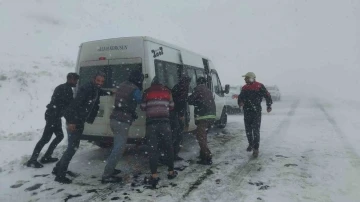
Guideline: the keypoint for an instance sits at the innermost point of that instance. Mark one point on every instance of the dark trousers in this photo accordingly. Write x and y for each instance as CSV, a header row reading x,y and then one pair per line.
x,y
160,134
73,144
252,121
201,136
53,125
177,127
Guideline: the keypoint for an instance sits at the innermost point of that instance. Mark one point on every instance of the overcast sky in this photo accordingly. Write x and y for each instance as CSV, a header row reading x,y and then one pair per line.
x,y
301,45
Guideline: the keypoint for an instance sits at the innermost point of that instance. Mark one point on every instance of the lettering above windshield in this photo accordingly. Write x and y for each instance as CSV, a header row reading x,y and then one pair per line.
x,y
109,48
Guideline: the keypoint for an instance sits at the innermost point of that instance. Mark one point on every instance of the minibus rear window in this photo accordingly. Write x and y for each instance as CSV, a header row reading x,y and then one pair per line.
x,y
87,73
121,72
115,74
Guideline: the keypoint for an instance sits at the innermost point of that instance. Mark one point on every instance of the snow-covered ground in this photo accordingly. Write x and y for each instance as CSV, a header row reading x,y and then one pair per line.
x,y
308,153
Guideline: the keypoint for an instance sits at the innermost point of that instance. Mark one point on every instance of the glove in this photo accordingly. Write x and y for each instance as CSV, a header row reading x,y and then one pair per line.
x,y
269,109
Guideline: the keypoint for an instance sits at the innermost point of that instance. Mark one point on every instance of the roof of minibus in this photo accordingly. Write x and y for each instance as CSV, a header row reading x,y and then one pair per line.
x,y
146,38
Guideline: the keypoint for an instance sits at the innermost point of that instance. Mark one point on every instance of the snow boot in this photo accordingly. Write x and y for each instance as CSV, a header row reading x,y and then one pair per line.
x,y
70,173
206,162
175,174
48,159
152,181
116,172
256,153
63,180
34,164
249,148
111,179
178,158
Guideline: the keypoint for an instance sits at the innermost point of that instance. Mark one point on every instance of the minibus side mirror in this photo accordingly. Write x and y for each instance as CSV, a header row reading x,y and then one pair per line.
x,y
227,89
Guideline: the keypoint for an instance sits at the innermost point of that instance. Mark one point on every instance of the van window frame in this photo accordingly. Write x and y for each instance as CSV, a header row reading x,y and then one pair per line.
x,y
195,70
220,91
179,68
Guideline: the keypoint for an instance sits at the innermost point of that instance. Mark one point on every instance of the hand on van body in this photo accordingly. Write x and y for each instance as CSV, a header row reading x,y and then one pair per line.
x,y
71,127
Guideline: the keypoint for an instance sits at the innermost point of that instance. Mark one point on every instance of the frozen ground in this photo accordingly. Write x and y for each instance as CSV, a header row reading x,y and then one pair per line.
x,y
308,153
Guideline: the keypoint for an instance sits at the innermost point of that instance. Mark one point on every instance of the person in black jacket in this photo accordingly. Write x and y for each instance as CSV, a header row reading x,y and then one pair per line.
x,y
250,99
60,99
83,108
205,114
177,116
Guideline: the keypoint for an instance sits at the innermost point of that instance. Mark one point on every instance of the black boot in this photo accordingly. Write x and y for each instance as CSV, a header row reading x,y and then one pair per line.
x,y
111,179
152,181
34,164
170,177
206,162
178,158
48,159
116,172
63,180
249,148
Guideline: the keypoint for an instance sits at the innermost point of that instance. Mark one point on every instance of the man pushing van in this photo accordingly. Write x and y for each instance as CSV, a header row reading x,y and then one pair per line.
x,y
83,108
127,96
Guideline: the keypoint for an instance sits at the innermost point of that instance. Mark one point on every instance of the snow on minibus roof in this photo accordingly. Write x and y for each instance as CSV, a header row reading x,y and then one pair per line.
x,y
147,38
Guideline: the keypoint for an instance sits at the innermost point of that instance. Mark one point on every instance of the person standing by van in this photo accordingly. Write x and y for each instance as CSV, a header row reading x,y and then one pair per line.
x,y
83,108
157,101
205,114
250,99
61,98
127,97
177,116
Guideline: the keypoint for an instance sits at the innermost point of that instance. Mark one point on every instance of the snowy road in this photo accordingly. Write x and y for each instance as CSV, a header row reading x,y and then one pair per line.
x,y
308,152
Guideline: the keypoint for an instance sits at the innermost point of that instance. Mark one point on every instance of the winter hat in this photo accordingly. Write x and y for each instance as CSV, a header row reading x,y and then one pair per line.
x,y
156,80
185,79
201,80
136,76
250,75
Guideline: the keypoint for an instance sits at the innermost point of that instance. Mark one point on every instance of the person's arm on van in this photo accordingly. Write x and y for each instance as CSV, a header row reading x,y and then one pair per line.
x,y
105,92
192,99
137,96
144,101
74,105
171,103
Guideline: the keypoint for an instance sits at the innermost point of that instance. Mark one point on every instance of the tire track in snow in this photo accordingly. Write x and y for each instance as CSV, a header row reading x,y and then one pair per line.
x,y
237,177
354,157
352,176
201,174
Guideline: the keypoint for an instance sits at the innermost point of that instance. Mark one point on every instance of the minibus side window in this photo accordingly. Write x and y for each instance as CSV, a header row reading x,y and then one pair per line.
x,y
167,73
192,75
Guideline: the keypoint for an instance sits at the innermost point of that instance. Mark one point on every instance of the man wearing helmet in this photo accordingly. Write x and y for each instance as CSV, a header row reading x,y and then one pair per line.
x,y
250,99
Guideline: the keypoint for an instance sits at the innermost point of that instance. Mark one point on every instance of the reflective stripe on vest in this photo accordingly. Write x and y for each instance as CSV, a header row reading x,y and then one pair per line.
x,y
206,117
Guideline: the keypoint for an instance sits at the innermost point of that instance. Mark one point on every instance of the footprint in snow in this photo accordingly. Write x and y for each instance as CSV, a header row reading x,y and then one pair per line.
x,y
18,184
290,164
45,175
264,187
281,156
34,187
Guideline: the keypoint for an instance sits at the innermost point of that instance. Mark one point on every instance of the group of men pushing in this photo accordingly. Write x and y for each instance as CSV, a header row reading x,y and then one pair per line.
x,y
165,110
